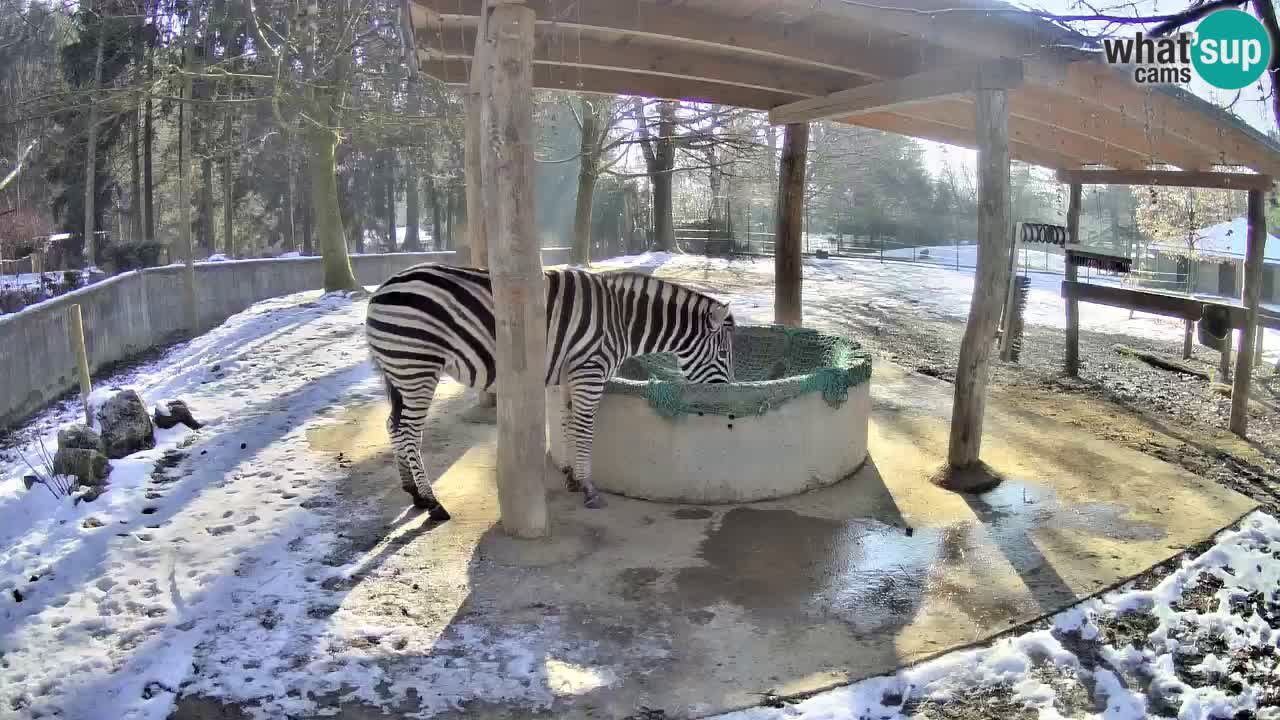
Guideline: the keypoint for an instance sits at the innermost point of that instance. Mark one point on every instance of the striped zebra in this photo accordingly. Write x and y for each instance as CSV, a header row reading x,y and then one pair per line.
x,y
433,319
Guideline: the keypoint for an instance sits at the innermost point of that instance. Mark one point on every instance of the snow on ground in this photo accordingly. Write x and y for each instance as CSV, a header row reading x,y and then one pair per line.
x,y
1213,619
116,595
939,290
210,550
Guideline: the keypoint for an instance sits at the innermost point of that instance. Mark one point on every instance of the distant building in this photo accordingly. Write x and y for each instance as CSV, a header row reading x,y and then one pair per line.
x,y
1215,266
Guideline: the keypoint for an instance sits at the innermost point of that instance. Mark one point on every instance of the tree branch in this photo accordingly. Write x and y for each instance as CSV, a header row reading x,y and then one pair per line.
x,y
17,168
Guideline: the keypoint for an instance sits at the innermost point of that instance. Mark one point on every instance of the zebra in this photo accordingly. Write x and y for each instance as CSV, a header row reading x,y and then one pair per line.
x,y
431,319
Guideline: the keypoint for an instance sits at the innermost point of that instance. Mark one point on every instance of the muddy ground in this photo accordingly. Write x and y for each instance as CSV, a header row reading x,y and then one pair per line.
x,y
1178,418
1175,417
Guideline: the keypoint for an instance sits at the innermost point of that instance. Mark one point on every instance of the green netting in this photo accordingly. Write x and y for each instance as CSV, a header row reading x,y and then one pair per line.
x,y
772,364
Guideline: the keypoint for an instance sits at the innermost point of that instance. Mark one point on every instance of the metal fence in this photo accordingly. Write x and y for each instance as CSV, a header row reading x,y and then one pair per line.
x,y
957,255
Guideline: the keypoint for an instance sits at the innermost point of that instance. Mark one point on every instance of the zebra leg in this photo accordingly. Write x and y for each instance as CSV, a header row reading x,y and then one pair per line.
x,y
586,392
406,425
570,442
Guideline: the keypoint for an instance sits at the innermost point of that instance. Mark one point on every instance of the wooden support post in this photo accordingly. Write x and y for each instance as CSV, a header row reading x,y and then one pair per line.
x,y
515,264
475,131
787,259
1188,326
1224,360
1257,346
992,123
1252,292
1073,305
75,326
477,231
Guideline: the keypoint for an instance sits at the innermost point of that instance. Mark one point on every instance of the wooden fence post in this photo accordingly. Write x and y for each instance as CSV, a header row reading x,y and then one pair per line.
x,y
515,262
75,325
788,263
992,123
1252,292
1073,305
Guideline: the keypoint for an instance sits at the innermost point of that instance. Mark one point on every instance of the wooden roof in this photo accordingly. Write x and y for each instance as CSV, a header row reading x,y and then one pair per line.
x,y
1070,110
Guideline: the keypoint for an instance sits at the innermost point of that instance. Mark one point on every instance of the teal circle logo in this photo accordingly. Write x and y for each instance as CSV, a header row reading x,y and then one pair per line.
x,y
1232,49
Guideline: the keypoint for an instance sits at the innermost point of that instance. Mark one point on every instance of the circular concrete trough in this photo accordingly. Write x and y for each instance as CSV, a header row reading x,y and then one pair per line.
x,y
795,420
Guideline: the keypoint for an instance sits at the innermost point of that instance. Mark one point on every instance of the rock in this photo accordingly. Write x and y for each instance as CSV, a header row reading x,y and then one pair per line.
x,y
171,413
80,437
91,522
126,425
90,467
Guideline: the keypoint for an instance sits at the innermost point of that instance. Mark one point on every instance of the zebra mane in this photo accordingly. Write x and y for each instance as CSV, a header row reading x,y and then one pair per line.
x,y
649,284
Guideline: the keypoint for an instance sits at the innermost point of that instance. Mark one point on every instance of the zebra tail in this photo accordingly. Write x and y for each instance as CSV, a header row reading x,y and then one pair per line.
x,y
397,401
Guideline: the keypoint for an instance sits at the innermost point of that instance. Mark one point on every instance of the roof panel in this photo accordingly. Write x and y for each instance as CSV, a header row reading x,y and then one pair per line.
x,y
764,53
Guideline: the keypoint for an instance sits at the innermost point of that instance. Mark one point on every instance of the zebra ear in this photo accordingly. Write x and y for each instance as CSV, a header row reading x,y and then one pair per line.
x,y
718,314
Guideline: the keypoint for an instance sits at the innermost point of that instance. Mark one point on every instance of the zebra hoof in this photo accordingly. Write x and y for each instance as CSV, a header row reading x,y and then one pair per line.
x,y
570,482
594,501
439,514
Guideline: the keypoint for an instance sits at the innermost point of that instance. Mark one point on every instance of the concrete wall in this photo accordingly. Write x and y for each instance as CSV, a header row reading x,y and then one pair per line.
x,y
710,460
130,313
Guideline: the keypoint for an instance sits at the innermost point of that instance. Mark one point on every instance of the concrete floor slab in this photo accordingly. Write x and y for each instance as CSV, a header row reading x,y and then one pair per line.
x,y
701,609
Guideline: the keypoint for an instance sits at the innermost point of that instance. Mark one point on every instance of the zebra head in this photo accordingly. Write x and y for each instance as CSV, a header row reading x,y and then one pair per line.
x,y
710,358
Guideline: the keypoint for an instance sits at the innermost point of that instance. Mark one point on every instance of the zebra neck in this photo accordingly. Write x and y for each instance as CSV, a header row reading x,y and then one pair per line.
x,y
647,306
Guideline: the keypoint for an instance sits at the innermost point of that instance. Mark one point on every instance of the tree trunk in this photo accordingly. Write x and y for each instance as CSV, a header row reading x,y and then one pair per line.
x,y
326,219
437,214
290,240
717,210
228,190
135,177
629,202
206,199
135,150
184,192
787,262
664,231
390,168
308,237
588,162
91,155
148,186
412,207
455,209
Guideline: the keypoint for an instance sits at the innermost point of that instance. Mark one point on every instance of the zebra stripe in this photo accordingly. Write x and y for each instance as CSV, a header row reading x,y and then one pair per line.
x,y
434,319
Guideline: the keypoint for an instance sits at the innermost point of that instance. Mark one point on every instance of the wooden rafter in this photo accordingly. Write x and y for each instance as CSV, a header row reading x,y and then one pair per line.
x,y
1074,115
960,137
620,82
1025,132
561,47
868,53
897,92
1169,178
762,54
